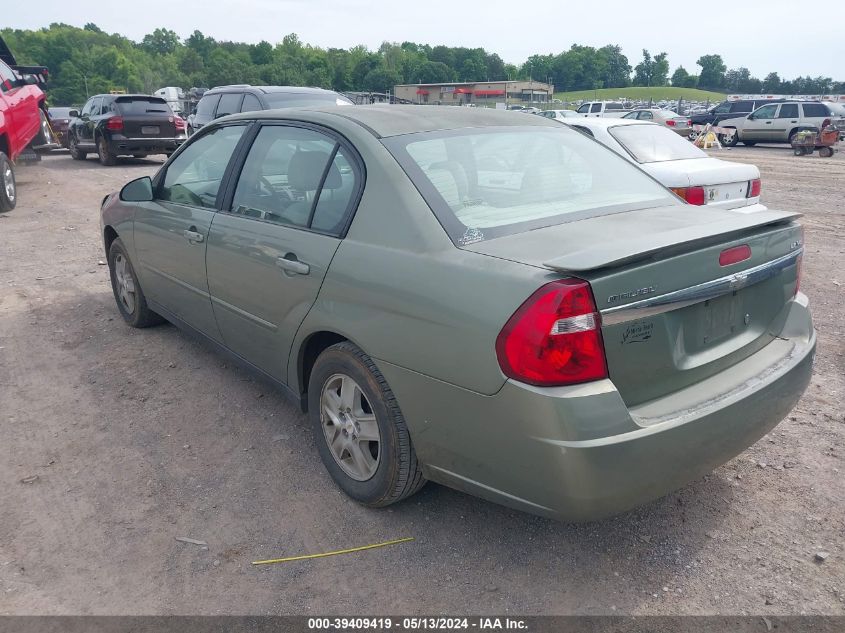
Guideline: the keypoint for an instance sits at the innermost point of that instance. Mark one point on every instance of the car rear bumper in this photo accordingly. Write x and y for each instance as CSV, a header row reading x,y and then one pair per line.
x,y
145,145
578,453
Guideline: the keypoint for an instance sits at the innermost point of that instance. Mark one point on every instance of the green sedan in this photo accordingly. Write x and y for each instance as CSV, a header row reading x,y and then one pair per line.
x,y
491,301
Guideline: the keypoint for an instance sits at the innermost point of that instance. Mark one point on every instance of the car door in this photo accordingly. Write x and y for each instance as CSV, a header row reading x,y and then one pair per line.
x,y
170,233
88,120
758,125
786,120
271,245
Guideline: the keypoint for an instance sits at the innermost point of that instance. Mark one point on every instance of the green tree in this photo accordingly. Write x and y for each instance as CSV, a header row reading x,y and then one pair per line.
x,y
381,80
680,77
712,75
771,83
161,41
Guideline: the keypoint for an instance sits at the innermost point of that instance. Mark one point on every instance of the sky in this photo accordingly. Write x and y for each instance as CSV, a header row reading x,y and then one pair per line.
x,y
748,33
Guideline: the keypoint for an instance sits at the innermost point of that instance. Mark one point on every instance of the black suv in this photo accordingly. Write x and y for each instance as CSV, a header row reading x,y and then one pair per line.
x,y
224,100
729,110
137,125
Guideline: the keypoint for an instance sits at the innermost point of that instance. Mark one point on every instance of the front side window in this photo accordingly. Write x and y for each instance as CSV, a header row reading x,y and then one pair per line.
x,y
250,104
766,112
194,176
205,108
653,144
295,176
788,111
583,109
7,78
88,107
486,183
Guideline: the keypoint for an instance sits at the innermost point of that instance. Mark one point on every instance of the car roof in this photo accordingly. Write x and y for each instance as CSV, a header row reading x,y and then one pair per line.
x,y
394,120
130,96
268,89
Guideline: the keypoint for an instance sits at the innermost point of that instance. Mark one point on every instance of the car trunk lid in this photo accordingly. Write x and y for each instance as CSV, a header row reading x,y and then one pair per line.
x,y
723,181
146,117
672,314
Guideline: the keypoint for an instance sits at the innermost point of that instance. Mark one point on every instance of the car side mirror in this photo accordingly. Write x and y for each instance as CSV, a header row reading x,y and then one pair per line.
x,y
73,114
138,190
750,117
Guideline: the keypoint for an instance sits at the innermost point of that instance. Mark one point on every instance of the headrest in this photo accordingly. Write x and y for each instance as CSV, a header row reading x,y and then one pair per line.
x,y
306,168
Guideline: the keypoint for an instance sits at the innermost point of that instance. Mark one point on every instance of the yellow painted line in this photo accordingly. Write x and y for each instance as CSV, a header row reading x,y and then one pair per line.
x,y
340,551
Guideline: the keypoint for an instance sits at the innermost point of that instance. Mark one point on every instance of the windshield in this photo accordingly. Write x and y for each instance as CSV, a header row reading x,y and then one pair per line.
x,y
654,143
304,99
483,183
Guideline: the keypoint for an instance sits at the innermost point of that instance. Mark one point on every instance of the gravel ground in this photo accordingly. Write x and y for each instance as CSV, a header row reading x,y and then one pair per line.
x,y
116,441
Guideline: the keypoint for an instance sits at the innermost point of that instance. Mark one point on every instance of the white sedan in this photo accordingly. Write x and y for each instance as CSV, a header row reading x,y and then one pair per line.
x,y
678,164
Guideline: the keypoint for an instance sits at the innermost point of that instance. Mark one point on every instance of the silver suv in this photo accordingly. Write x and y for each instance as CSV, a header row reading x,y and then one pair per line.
x,y
779,122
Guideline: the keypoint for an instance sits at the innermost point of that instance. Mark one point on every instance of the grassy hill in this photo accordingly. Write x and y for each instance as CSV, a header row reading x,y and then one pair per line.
x,y
656,93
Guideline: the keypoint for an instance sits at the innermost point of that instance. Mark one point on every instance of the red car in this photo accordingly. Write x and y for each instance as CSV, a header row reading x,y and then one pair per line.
x,y
23,119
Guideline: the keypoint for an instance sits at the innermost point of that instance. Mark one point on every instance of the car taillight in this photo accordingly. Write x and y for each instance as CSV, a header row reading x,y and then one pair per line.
x,y
689,122
693,195
554,338
179,122
754,187
115,123
670,123
798,263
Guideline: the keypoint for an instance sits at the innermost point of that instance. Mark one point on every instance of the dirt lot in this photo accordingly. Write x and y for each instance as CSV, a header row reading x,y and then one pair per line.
x,y
138,437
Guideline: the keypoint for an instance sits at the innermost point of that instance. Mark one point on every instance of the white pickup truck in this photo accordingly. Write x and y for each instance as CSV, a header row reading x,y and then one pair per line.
x,y
612,109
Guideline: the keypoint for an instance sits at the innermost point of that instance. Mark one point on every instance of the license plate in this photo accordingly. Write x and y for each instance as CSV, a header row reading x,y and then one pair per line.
x,y
721,317
725,192
149,129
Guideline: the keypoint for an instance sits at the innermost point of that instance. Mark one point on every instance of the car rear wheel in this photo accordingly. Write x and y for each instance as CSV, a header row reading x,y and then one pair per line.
x,y
105,154
45,134
749,143
73,148
130,299
8,187
361,435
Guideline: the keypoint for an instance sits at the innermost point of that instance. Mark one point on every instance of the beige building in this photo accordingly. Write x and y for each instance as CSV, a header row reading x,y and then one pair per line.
x,y
479,93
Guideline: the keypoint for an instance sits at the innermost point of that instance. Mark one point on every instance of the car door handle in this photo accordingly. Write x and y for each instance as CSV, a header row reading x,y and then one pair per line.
x,y
768,122
193,236
290,264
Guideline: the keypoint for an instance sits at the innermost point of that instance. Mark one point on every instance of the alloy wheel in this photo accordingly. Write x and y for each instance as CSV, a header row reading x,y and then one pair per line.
x,y
8,181
350,427
125,284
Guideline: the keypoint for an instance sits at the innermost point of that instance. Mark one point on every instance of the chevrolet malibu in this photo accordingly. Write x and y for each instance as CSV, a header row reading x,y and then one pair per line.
x,y
494,302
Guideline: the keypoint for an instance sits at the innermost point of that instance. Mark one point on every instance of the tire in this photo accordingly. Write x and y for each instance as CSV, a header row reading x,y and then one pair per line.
x,y
45,134
383,474
732,143
798,151
104,153
73,148
749,143
133,304
8,186
825,152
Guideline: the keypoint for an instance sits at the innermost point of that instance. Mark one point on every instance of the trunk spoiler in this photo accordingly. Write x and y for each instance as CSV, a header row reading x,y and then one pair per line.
x,y
618,250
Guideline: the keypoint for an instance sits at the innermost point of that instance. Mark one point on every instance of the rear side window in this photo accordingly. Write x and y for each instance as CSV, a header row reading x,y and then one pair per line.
x,y
788,111
205,108
489,182
614,106
296,176
723,108
229,104
596,107
304,99
815,110
193,178
134,106
742,106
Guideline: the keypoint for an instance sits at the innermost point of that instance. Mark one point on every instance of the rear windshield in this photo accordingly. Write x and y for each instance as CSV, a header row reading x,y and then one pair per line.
x,y
142,105
304,99
654,143
484,183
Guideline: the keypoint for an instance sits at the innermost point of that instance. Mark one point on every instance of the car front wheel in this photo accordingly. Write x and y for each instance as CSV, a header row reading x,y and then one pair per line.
x,y
73,148
130,299
361,435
